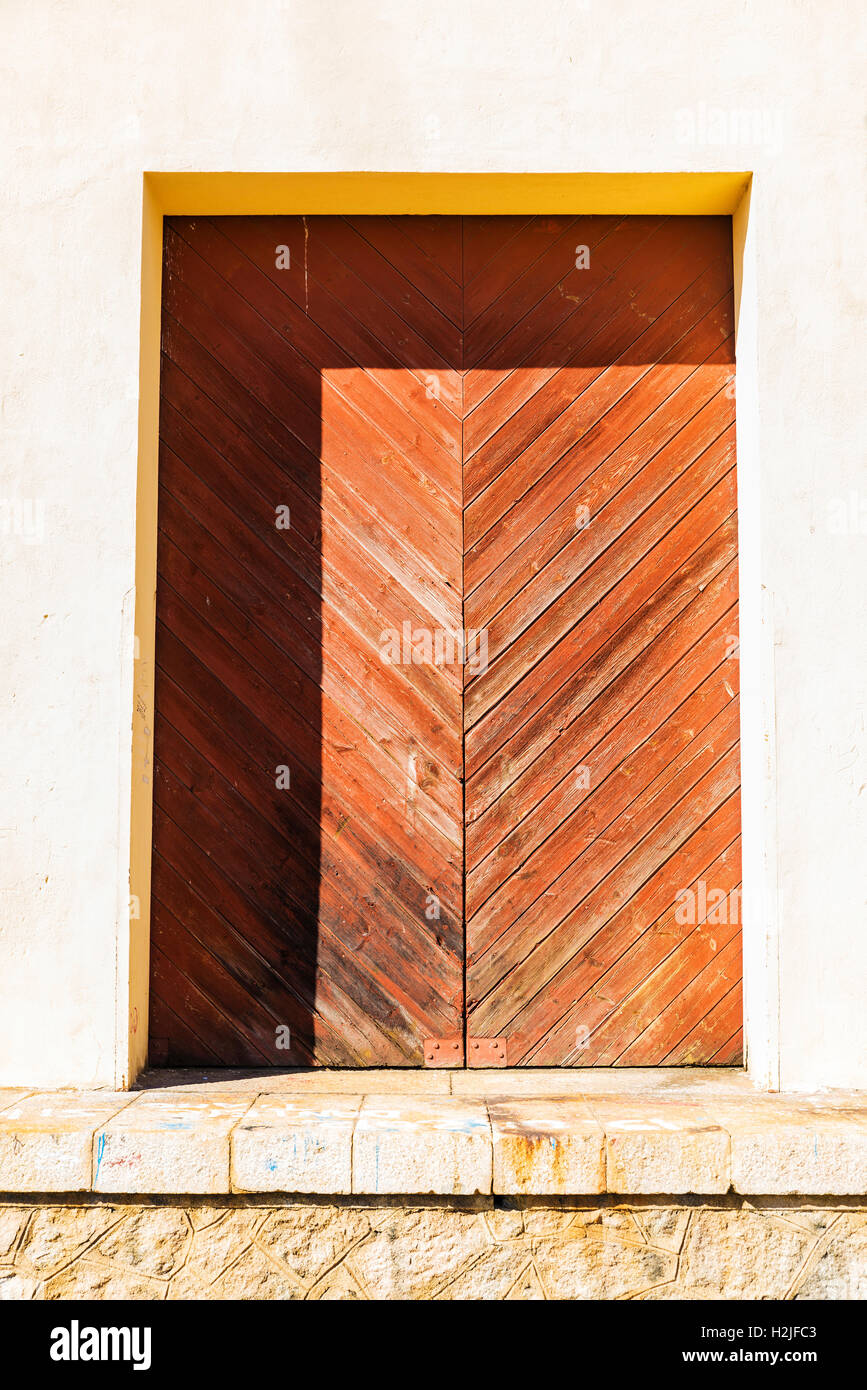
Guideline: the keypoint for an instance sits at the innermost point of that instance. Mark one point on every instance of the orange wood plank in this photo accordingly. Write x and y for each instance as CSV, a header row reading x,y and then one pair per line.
x,y
601,741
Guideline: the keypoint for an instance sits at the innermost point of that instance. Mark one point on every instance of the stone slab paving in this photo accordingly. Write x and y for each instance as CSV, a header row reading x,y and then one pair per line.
x,y
545,1146
662,1145
318,1082
793,1146
534,1082
403,1144
286,1144
165,1143
578,1082
10,1097
663,1133
46,1140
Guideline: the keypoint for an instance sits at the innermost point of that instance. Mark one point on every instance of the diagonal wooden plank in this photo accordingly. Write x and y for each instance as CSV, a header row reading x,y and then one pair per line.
x,y
440,238
483,237
541,431
407,999
270,645
583,749
631,325
430,322
390,237
731,1054
275,416
616,756
249,488
601,737
620,537
519,272
317,795
242,297
534,902
202,568
311,1003
433,401
527,979
555,647
615,955
171,1039
675,997
527,342
320,294
640,425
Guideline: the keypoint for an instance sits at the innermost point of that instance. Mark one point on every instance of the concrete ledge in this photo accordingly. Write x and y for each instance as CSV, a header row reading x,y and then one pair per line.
x,y
166,1143
46,1141
546,1146
405,1145
686,1135
285,1145
663,1146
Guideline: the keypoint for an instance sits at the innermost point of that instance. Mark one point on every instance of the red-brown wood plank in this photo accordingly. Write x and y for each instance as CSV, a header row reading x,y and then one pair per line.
x,y
556,655
637,319
598,987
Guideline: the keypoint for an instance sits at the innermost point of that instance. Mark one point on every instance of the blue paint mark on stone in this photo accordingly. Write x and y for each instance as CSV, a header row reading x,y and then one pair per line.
x,y
100,1148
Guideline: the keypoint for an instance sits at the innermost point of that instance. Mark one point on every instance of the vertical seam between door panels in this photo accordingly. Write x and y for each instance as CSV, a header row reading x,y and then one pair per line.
x,y
465,1010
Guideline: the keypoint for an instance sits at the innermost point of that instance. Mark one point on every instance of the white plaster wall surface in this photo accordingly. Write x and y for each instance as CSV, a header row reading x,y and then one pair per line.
x,y
97,92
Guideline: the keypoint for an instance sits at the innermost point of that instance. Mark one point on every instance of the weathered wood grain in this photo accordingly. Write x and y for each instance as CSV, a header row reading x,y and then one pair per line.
x,y
308,806
466,427
601,743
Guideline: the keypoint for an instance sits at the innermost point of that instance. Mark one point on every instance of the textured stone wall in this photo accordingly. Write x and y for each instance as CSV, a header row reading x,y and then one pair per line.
x,y
432,1248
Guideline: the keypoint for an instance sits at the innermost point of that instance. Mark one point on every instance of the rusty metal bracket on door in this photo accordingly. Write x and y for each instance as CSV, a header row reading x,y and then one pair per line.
x,y
444,1052
486,1052
481,1052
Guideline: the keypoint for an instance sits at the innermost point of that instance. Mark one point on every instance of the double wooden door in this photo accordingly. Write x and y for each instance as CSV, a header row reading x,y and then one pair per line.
x,y
446,736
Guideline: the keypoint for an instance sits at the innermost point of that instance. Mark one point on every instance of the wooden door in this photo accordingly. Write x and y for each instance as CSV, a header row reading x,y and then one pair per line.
x,y
377,432
307,870
600,542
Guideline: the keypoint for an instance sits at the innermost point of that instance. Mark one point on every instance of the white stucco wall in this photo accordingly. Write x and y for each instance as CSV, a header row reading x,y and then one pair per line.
x,y
97,92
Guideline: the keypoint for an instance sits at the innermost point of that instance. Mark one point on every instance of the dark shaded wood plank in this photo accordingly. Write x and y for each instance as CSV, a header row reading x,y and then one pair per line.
x,y
308,808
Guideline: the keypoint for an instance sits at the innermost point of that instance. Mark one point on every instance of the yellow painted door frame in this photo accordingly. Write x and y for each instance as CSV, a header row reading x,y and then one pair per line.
x,y
213,194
